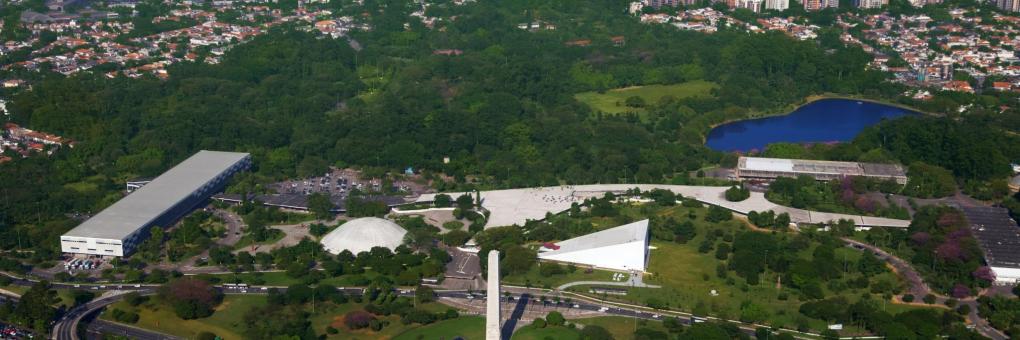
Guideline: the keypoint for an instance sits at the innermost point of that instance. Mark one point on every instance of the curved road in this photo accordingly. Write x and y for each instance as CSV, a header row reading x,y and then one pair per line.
x,y
919,288
66,327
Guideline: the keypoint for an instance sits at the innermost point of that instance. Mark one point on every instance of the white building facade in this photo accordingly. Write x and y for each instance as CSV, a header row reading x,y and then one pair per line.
x,y
777,5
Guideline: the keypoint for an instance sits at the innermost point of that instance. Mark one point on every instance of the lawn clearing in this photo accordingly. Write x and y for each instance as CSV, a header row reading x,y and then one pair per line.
x,y
534,277
612,101
622,328
688,276
226,322
467,327
530,332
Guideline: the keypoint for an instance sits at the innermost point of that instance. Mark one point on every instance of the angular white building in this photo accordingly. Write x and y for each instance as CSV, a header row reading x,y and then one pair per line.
x,y
121,227
363,234
623,248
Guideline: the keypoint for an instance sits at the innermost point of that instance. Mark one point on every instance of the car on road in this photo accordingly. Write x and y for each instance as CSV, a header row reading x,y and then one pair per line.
x,y
604,309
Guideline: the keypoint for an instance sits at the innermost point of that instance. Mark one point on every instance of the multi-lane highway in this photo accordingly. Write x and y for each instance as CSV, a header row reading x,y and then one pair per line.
x,y
66,327
97,328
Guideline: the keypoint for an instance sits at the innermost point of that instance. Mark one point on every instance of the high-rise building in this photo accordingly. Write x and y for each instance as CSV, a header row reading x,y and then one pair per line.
x,y
1008,5
871,3
753,5
779,5
660,3
817,5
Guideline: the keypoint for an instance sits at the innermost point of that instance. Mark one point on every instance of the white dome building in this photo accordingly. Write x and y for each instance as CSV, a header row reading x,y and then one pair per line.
x,y
362,234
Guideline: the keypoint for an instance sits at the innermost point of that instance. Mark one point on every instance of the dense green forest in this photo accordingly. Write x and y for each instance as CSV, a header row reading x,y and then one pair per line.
x,y
503,112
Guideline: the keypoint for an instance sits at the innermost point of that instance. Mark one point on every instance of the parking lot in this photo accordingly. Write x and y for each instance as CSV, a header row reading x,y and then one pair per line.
x,y
11,332
340,182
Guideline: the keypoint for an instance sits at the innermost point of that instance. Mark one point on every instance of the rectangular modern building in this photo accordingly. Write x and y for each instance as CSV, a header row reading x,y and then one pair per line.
x,y
119,228
772,168
999,237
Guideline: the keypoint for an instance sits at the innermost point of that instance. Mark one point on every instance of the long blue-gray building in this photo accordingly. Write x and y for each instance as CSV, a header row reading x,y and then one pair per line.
x,y
119,228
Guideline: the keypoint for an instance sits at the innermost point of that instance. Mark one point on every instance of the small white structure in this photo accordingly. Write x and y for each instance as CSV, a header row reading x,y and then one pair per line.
x,y
492,312
363,234
624,248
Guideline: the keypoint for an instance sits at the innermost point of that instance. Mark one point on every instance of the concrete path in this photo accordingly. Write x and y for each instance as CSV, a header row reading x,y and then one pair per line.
x,y
633,281
517,206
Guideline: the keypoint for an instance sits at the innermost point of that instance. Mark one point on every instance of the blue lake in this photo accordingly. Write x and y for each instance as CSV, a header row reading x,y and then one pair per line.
x,y
826,120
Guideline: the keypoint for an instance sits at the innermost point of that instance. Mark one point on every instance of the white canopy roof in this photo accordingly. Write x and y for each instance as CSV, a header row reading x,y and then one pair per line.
x,y
623,248
363,234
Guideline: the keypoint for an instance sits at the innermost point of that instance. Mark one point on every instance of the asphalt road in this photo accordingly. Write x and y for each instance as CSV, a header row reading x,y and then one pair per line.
x,y
99,327
65,327
234,224
919,288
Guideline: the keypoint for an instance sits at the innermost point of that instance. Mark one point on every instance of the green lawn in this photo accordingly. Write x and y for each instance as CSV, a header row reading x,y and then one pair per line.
x,y
15,289
612,101
622,328
550,332
281,279
687,276
536,279
467,327
332,315
246,240
226,322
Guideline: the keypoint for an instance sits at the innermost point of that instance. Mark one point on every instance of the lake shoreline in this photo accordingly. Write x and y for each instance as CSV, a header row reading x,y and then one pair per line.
x,y
806,104
808,100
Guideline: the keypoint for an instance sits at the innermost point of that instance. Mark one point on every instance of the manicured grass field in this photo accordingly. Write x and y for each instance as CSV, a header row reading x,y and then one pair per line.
x,y
612,101
467,327
226,322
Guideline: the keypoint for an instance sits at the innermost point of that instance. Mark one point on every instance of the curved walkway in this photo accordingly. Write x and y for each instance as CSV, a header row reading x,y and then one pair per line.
x,y
517,206
919,288
633,281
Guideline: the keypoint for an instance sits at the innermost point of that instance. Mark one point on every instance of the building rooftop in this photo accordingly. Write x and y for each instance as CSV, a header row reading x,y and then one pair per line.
x,y
619,248
363,234
997,233
152,200
819,167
